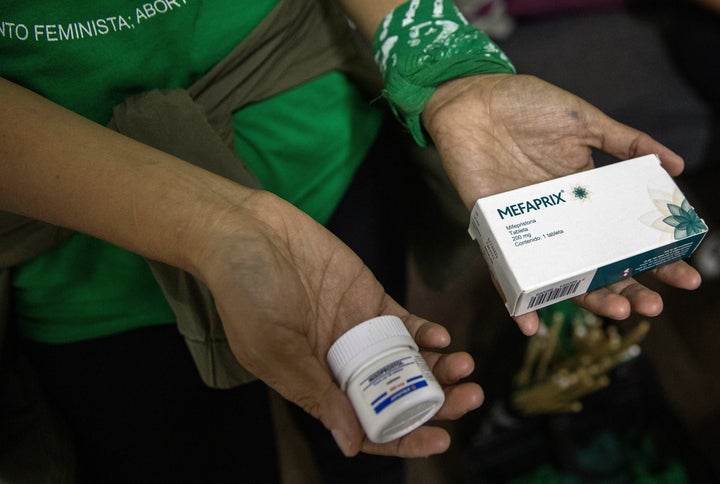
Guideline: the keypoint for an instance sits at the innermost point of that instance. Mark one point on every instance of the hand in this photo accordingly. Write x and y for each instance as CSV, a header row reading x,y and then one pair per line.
x,y
284,286
499,132
286,289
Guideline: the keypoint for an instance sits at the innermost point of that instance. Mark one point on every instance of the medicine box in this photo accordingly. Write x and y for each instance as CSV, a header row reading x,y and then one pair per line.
x,y
561,238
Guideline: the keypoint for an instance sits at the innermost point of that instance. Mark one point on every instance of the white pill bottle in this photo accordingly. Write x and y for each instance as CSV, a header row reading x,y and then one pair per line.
x,y
390,385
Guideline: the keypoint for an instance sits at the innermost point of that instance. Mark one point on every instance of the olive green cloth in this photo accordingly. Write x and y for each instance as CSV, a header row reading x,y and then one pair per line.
x,y
297,41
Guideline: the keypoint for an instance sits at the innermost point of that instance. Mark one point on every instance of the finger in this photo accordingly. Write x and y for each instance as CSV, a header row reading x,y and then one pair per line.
x,y
619,300
333,408
300,377
310,385
605,302
460,400
642,300
449,368
421,442
528,323
679,274
624,143
336,413
426,333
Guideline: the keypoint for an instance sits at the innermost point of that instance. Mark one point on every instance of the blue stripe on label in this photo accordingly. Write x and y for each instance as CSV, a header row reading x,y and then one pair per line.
x,y
399,394
414,378
382,395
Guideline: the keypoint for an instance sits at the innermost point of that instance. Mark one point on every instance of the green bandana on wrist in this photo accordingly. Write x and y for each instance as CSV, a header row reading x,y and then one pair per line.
x,y
423,43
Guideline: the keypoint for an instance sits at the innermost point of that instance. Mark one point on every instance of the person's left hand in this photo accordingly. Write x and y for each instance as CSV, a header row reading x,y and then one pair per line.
x,y
498,132
286,288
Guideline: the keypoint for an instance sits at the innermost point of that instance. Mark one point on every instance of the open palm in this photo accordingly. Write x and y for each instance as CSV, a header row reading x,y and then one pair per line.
x,y
500,132
286,288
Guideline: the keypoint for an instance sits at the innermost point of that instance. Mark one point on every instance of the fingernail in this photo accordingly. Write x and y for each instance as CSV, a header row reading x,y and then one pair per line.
x,y
342,441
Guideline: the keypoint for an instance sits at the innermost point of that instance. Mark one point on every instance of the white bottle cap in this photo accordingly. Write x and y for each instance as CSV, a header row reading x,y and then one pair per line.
x,y
365,340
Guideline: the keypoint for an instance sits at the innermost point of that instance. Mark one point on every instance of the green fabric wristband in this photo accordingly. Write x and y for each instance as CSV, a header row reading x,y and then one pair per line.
x,y
423,43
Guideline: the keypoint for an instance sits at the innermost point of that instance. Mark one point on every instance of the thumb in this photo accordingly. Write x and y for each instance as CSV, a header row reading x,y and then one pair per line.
x,y
624,142
311,386
338,416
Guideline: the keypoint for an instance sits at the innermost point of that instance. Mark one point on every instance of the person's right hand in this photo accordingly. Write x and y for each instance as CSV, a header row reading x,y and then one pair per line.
x,y
497,132
286,289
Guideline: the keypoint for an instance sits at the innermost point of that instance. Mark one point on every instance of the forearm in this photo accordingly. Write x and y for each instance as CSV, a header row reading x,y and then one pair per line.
x,y
367,14
66,170
421,45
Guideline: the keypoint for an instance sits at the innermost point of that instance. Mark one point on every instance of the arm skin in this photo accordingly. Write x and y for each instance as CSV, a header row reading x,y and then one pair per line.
x,y
67,170
496,132
284,286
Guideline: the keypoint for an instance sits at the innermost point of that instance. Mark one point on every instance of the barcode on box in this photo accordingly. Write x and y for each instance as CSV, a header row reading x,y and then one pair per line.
x,y
554,293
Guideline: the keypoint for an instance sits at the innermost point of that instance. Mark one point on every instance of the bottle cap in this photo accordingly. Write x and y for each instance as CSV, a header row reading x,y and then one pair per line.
x,y
364,341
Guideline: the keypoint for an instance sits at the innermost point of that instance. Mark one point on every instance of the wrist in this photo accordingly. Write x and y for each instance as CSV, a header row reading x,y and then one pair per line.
x,y
453,94
422,44
232,215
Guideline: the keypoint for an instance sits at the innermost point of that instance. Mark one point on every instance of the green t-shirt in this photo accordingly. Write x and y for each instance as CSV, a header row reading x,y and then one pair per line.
x,y
303,144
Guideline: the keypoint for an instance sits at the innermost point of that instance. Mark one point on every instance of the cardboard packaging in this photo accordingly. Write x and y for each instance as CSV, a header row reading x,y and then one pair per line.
x,y
561,238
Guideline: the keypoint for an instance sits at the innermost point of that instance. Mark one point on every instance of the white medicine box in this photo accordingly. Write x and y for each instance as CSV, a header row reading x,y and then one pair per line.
x,y
561,238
